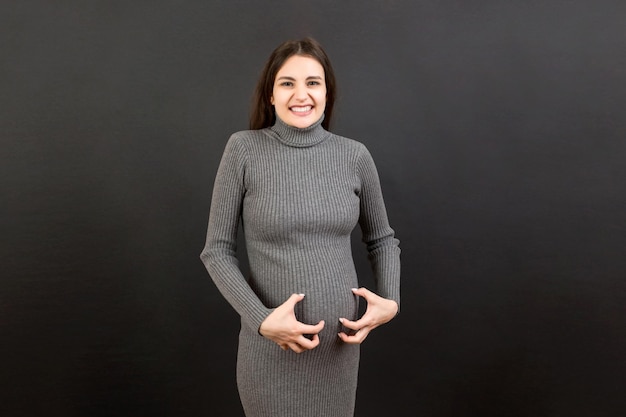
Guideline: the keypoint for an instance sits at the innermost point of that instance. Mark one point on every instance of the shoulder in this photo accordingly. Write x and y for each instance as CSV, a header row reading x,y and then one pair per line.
x,y
355,151
241,141
245,136
236,149
358,148
360,155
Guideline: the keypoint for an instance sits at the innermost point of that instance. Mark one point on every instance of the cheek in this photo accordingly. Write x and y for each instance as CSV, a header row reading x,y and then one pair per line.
x,y
279,99
324,96
322,100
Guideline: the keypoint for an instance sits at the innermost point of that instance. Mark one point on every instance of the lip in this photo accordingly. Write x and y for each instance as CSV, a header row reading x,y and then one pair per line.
x,y
301,113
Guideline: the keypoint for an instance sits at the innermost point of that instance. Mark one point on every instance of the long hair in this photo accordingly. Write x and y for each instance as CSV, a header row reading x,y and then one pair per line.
x,y
262,114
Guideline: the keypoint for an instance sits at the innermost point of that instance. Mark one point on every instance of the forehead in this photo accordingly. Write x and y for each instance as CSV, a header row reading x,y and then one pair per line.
x,y
301,66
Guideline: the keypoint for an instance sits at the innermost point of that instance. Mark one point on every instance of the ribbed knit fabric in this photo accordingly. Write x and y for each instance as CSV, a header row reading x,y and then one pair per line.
x,y
300,193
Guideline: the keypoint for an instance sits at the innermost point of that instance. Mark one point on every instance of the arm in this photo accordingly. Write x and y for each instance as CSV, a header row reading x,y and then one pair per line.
x,y
383,254
220,259
220,251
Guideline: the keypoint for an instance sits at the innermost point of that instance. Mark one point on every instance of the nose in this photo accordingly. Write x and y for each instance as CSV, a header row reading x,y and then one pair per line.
x,y
300,92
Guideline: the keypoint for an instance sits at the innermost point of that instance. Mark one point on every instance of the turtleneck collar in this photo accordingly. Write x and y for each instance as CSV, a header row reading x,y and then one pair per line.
x,y
297,137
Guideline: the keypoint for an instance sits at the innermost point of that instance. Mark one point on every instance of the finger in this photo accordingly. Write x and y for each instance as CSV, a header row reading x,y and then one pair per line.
x,y
363,292
311,328
294,299
345,338
296,347
355,339
308,344
354,325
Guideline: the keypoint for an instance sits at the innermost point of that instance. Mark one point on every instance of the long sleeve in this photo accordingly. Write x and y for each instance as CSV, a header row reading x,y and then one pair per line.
x,y
382,246
299,194
219,253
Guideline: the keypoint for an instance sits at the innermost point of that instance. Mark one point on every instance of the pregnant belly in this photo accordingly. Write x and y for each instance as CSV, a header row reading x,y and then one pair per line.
x,y
327,290
328,303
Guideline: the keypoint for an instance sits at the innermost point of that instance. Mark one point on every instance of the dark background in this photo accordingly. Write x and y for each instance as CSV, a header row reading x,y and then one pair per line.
x,y
499,131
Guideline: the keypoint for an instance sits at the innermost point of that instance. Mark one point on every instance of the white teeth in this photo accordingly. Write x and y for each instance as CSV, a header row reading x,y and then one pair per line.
x,y
301,109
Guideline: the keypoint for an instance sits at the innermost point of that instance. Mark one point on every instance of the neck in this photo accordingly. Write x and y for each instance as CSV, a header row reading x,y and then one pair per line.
x,y
299,137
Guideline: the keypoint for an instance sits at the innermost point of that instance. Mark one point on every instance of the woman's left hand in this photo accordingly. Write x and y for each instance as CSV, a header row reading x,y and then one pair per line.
x,y
379,311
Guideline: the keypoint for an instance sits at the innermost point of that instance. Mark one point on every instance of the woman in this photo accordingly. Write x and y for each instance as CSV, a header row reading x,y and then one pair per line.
x,y
300,191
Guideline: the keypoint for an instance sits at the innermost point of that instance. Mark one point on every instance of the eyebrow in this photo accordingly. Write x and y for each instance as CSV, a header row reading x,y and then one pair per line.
x,y
310,77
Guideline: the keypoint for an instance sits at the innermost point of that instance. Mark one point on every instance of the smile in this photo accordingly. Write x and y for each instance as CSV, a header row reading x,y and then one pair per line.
x,y
301,109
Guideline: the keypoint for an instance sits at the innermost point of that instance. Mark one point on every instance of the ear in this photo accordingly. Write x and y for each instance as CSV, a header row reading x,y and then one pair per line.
x,y
272,100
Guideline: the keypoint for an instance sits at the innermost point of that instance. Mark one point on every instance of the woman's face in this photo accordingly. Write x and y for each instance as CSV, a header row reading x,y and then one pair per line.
x,y
299,95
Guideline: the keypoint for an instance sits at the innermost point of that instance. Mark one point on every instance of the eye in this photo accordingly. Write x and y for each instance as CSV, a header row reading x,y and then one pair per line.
x,y
313,83
286,84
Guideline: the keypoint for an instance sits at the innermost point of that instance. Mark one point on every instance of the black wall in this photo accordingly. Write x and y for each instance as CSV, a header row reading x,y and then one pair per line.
x,y
499,131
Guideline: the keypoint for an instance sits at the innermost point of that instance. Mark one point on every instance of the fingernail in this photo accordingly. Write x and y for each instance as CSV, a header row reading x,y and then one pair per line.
x,y
301,295
341,320
354,289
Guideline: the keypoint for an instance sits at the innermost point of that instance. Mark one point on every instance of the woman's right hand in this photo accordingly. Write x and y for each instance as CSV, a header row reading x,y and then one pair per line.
x,y
282,327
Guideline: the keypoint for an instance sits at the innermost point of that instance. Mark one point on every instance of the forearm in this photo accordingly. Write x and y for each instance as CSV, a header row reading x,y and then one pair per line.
x,y
226,275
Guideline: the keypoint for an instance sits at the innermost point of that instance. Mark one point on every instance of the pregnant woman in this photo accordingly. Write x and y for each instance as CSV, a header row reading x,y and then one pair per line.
x,y
299,191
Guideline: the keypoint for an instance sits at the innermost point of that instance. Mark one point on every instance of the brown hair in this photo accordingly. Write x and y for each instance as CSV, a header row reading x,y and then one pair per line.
x,y
262,114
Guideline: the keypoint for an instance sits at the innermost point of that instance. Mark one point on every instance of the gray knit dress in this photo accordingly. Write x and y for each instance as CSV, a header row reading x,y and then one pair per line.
x,y
299,194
